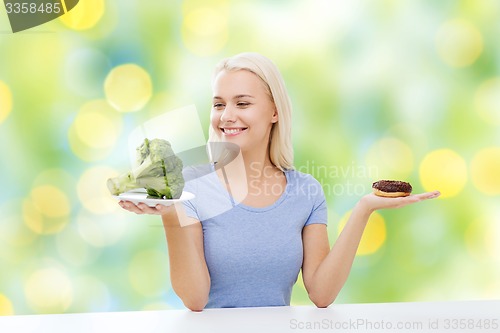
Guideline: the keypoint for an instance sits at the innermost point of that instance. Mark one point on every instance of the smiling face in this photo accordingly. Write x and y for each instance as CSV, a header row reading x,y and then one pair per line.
x,y
242,110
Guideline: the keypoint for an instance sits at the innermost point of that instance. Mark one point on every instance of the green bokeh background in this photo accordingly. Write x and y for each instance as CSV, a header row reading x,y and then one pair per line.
x,y
376,86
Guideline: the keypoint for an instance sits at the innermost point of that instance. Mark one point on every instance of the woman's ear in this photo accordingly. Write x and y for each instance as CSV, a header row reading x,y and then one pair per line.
x,y
274,119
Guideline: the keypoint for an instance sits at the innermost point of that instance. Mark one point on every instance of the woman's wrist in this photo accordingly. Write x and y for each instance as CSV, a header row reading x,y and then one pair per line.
x,y
363,207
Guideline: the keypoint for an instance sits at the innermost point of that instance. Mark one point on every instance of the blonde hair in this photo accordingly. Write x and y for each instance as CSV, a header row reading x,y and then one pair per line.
x,y
280,139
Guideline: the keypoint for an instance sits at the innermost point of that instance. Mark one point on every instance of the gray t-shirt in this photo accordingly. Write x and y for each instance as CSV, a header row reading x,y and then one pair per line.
x,y
254,254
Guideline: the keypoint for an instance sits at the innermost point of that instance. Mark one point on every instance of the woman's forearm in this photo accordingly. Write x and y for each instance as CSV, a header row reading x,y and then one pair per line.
x,y
332,273
188,269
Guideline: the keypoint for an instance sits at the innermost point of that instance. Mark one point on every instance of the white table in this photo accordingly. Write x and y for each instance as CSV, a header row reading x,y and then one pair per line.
x,y
472,316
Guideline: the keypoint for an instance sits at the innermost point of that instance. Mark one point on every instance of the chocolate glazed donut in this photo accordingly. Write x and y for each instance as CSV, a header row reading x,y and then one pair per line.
x,y
391,188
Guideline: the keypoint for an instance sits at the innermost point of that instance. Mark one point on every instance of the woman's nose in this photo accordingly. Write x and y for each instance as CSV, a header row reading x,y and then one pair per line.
x,y
228,114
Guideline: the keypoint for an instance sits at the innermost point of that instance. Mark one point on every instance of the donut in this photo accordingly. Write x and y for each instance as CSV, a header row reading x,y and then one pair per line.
x,y
391,188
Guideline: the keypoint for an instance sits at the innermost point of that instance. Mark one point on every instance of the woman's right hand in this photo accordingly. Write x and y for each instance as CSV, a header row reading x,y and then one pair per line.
x,y
167,213
142,208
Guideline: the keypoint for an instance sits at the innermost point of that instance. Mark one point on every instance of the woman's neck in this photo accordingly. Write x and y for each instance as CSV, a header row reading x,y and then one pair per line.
x,y
249,176
258,165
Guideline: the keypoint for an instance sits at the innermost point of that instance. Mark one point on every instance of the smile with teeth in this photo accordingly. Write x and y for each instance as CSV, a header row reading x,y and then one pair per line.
x,y
232,131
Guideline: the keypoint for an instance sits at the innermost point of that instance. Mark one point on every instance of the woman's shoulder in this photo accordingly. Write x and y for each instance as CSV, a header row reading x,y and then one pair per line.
x,y
301,177
302,184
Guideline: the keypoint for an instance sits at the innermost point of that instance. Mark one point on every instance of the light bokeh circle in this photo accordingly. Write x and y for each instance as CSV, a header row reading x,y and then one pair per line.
x,y
459,43
481,238
97,125
205,30
100,230
374,235
6,308
95,130
40,223
74,250
5,101
443,170
49,290
14,233
128,88
93,192
485,170
487,101
392,158
91,294
51,201
85,15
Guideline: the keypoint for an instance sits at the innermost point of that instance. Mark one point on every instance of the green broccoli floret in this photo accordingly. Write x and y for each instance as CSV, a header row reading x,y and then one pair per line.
x,y
158,170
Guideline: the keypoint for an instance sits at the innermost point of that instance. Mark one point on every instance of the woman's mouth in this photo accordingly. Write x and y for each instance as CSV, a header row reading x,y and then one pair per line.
x,y
232,131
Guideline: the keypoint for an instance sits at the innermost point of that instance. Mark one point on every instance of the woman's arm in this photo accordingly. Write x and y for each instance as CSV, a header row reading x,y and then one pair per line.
x,y
188,269
325,271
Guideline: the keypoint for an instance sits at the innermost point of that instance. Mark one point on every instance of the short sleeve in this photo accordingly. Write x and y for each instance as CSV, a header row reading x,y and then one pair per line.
x,y
319,212
190,210
190,177
210,198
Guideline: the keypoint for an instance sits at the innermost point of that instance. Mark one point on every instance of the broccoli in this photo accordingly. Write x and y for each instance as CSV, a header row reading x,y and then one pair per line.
x,y
158,170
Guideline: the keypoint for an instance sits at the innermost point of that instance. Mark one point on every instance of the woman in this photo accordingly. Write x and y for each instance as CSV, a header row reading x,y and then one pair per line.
x,y
250,253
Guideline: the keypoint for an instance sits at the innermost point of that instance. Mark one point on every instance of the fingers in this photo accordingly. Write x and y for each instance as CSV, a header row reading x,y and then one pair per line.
x,y
434,194
416,198
373,202
142,208
427,195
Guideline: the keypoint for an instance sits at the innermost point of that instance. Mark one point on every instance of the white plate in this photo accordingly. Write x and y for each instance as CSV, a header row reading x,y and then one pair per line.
x,y
138,196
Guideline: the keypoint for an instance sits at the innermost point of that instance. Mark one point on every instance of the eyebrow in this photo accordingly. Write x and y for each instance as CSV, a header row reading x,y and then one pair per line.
x,y
235,97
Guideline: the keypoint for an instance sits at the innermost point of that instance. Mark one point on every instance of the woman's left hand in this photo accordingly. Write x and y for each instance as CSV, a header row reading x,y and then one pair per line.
x,y
373,202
